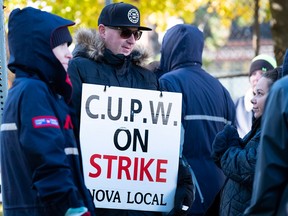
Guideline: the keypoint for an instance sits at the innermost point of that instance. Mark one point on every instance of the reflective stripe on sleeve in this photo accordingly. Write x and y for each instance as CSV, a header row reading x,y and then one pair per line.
x,y
208,118
8,127
71,151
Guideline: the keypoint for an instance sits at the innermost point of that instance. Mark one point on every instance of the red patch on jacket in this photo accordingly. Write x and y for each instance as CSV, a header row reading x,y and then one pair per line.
x,y
68,123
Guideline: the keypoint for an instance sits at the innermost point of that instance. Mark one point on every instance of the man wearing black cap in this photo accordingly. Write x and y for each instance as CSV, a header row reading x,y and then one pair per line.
x,y
110,57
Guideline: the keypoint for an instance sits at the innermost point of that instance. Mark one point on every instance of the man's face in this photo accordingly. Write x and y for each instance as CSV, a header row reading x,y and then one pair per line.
x,y
119,41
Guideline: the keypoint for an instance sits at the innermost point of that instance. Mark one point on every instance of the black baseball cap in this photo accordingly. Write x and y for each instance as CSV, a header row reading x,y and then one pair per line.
x,y
121,15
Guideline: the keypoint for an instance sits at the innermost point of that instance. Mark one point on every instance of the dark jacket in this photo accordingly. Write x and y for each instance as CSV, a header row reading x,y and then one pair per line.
x,y
206,107
238,163
94,64
270,189
41,170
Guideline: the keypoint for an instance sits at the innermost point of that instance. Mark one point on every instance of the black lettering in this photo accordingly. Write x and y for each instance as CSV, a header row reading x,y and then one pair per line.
x,y
128,143
100,195
128,198
87,106
137,136
160,108
155,200
117,117
117,197
161,200
93,192
145,200
133,110
138,198
111,195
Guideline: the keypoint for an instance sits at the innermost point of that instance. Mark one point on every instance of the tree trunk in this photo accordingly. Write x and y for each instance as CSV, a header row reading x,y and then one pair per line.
x,y
279,28
256,29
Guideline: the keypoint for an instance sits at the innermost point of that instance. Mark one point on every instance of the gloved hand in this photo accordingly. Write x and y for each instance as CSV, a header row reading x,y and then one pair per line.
x,y
224,139
81,211
185,191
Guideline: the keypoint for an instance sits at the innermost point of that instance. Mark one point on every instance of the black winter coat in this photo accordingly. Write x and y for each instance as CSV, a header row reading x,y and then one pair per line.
x,y
94,64
40,161
238,164
270,188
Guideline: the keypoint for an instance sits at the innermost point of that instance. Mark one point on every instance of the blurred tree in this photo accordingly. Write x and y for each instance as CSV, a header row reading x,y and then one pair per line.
x,y
213,17
84,13
256,32
156,12
279,27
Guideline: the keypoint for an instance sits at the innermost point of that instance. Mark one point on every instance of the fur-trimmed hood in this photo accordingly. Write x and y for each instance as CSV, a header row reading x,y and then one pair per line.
x,y
90,45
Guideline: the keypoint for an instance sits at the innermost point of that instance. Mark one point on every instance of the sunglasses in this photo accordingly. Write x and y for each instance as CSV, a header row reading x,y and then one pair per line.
x,y
126,33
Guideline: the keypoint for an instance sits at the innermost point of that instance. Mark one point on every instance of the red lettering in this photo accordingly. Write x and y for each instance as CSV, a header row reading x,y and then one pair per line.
x,y
160,170
139,168
122,167
109,165
144,169
135,173
95,165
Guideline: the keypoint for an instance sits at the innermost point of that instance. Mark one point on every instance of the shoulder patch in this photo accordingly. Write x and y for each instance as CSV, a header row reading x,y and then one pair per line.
x,y
45,121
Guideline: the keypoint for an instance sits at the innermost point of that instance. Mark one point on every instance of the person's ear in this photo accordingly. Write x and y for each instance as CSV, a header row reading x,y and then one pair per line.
x,y
102,30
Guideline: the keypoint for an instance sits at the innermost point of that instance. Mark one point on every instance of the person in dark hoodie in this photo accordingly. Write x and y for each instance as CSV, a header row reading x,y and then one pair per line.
x,y
237,157
110,57
206,108
270,186
40,164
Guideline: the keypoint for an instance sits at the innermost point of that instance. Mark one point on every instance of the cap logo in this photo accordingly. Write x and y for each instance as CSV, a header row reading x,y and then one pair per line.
x,y
264,69
133,15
